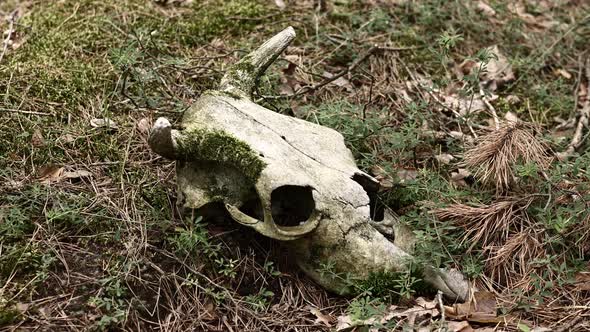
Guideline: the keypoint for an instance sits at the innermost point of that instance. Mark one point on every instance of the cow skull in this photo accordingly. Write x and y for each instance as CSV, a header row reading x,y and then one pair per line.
x,y
288,179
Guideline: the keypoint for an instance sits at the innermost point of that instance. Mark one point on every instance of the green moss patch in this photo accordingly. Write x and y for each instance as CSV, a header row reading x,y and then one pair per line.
x,y
219,146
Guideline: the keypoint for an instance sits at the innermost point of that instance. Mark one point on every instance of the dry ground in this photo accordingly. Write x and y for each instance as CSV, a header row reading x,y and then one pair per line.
x,y
490,139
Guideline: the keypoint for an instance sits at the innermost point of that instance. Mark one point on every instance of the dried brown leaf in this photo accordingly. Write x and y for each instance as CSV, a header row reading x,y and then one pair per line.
x,y
512,99
498,70
485,302
407,174
211,313
542,21
54,173
50,173
340,81
464,106
481,309
422,309
426,304
582,281
344,323
462,326
67,138
384,178
511,117
37,138
320,317
22,307
444,158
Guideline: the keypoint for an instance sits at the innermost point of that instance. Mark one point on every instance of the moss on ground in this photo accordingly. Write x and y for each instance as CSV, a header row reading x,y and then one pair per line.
x,y
64,62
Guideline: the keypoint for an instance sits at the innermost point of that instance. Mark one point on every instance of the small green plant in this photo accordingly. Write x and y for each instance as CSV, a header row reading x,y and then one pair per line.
x,y
8,315
261,300
270,268
111,301
448,41
473,267
385,286
217,295
193,239
365,307
328,270
227,267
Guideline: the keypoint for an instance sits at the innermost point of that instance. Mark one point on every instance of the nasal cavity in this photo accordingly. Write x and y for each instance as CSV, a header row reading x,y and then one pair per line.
x,y
377,209
291,205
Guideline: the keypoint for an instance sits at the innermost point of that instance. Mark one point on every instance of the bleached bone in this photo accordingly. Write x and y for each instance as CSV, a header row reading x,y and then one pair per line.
x,y
289,179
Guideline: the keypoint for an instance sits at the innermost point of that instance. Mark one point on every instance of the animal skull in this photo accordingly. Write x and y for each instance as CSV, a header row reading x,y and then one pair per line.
x,y
289,179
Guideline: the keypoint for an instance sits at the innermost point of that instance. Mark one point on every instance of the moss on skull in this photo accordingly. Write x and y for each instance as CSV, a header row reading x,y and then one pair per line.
x,y
215,145
242,75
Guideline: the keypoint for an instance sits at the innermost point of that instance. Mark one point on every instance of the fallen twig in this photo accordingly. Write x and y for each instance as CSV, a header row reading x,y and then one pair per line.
x,y
578,137
442,309
571,324
11,21
490,108
24,112
352,67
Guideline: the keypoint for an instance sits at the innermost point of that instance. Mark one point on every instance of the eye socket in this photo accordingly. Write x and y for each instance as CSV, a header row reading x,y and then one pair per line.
x,y
291,205
377,209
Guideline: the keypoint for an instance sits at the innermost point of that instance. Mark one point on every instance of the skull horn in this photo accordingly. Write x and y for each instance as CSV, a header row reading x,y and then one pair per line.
x,y
241,78
162,139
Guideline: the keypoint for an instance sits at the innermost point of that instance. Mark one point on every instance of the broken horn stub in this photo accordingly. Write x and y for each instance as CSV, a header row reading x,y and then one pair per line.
x,y
161,139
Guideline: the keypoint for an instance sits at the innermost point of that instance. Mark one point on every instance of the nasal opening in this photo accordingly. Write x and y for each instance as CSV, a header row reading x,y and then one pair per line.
x,y
253,208
371,186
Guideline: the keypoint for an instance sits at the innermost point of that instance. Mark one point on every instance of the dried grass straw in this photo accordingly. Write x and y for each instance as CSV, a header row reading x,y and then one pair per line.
x,y
494,156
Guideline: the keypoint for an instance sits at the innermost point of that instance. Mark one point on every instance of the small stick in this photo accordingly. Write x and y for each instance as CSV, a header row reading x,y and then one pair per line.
x,y
572,323
578,137
491,108
442,308
9,35
351,68
24,112
374,49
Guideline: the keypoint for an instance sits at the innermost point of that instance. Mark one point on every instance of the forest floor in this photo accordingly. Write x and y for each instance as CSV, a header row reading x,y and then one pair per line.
x,y
473,115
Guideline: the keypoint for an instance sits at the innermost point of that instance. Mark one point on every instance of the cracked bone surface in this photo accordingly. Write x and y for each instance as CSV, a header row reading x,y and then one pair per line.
x,y
288,179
